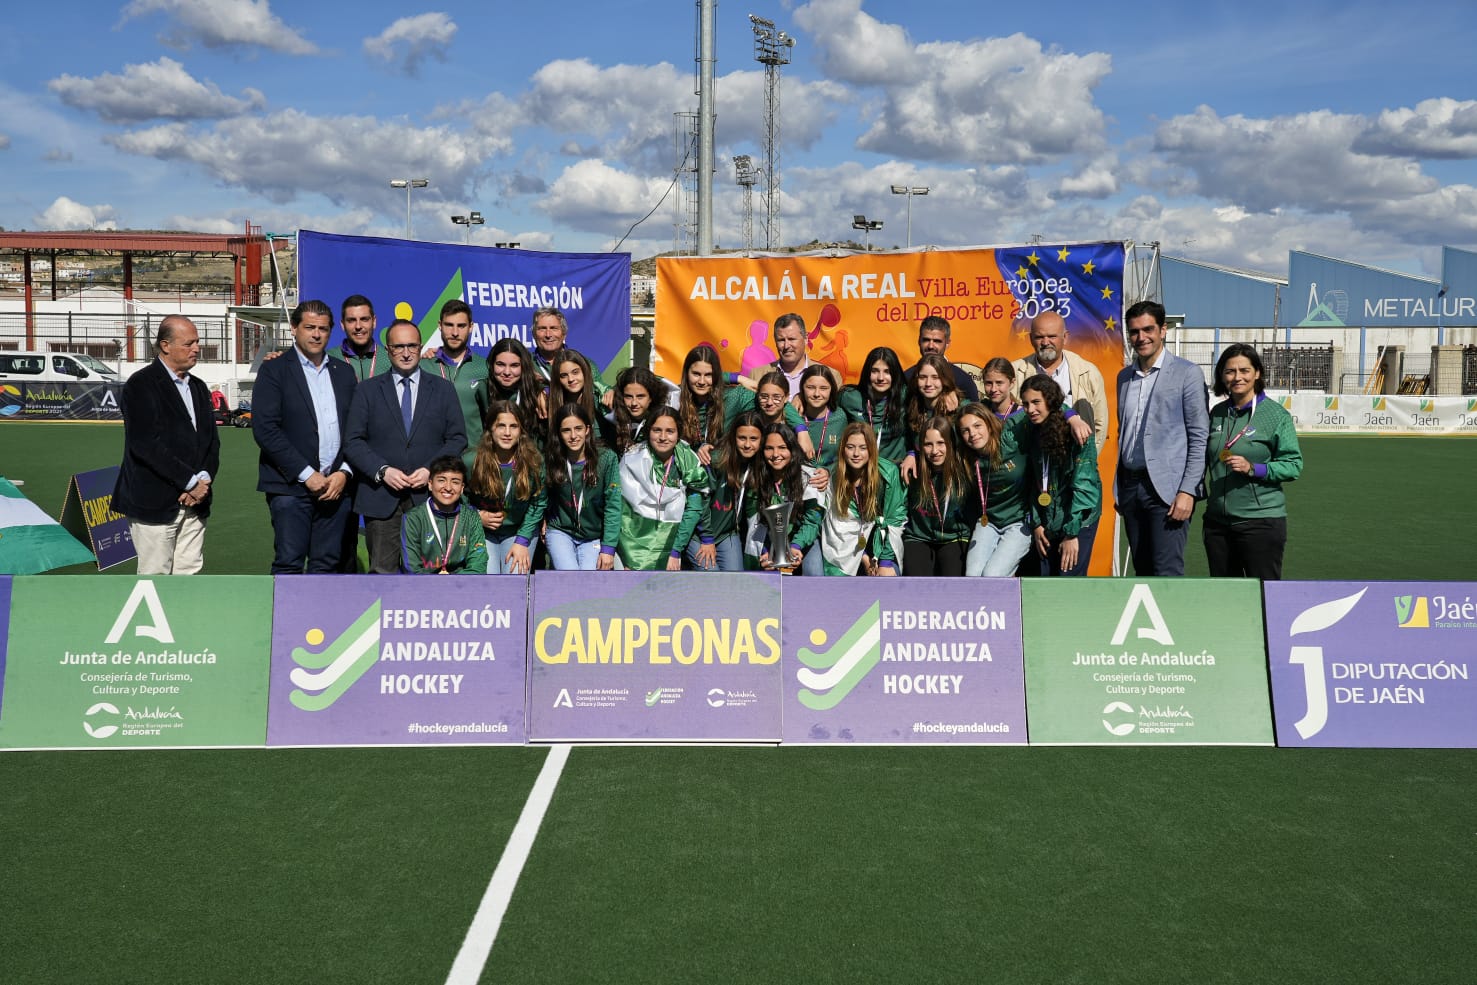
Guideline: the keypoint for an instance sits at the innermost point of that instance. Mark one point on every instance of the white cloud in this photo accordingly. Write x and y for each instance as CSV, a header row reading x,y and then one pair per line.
x,y
153,90
67,214
996,101
347,159
592,196
1435,128
411,40
57,155
223,23
1095,179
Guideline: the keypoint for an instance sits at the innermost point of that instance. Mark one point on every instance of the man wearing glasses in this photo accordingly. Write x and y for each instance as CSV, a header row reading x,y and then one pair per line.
x,y
398,423
171,454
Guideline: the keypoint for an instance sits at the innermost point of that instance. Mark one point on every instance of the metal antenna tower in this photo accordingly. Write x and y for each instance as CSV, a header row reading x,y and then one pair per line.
x,y
771,49
685,204
748,177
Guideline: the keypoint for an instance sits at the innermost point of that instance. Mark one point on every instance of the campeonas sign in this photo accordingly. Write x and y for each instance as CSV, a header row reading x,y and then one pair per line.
x,y
412,280
856,302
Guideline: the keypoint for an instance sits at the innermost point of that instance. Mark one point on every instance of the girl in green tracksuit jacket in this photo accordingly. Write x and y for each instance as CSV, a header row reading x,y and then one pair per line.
x,y
663,488
865,511
996,466
784,478
939,523
733,475
1066,495
820,408
1253,449
507,488
880,399
583,519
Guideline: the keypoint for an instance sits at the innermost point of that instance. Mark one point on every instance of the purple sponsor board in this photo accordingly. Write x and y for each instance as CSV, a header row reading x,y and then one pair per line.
x,y
1386,664
633,656
901,660
106,528
397,660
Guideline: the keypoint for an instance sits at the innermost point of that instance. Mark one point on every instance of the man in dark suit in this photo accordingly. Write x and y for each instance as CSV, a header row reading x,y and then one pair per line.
x,y
398,423
299,413
171,454
1163,425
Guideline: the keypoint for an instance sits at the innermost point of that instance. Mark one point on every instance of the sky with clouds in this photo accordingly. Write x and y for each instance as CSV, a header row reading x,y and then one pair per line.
x,y
1231,133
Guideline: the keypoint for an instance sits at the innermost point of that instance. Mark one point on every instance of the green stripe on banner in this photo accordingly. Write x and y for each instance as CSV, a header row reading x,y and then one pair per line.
x,y
31,541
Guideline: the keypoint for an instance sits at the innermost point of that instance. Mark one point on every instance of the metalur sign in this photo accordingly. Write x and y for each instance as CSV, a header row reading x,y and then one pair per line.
x,y
902,660
1373,663
397,660
103,662
1177,661
654,656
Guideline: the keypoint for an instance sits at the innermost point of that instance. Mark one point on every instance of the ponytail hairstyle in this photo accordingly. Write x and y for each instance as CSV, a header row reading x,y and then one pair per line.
x,y
773,378
824,372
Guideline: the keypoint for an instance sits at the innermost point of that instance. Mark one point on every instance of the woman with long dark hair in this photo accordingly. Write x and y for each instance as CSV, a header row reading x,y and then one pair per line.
x,y
938,505
734,476
506,486
880,399
1064,482
511,377
663,488
638,394
584,512
995,460
784,478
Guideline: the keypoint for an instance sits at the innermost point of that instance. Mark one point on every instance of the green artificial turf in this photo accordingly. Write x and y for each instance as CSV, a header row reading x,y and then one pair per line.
x,y
351,866
1089,866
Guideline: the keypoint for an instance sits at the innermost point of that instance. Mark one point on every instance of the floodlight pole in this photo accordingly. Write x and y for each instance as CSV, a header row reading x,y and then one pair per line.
x,y
475,219
910,191
408,184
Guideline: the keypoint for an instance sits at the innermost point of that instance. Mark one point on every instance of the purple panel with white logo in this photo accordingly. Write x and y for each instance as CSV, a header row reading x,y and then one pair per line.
x,y
398,660
1373,663
902,660
636,656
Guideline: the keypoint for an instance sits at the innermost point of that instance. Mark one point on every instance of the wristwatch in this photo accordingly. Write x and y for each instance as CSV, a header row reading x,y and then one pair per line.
x,y
379,476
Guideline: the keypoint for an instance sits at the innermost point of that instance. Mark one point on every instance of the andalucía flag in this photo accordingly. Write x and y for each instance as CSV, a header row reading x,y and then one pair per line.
x,y
31,541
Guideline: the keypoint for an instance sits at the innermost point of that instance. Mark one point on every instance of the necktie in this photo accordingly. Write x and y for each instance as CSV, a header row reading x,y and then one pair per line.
x,y
405,409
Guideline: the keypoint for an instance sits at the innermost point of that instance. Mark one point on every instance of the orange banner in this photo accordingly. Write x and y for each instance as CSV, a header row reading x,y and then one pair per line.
x,y
854,302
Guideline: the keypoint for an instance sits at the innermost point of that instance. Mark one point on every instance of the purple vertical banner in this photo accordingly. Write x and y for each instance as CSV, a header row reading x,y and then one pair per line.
x,y
1373,664
397,660
631,656
903,660
106,528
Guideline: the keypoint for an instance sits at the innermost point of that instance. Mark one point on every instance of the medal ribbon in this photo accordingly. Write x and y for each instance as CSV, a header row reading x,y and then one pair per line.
x,y
1248,429
984,494
661,494
450,541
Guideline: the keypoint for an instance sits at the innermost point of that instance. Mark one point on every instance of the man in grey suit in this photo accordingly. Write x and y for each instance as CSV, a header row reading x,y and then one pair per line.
x,y
1163,424
398,423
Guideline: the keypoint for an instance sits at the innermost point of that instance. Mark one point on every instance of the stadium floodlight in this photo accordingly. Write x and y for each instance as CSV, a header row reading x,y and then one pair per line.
x,y
408,184
868,226
475,219
910,191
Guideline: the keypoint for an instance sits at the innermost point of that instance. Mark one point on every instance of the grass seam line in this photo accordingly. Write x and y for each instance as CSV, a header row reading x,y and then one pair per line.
x,y
472,958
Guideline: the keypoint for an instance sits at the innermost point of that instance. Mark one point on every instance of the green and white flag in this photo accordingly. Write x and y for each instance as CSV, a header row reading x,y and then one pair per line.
x,y
31,541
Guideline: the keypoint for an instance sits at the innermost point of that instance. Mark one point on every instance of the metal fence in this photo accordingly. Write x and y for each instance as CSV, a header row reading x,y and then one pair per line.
x,y
107,336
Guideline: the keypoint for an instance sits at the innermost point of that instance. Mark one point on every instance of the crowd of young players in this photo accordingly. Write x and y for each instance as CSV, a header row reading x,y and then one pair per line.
x,y
893,473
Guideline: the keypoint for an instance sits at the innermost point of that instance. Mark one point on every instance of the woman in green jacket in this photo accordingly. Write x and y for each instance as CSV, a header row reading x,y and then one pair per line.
x,y
664,488
1066,493
865,511
939,518
880,399
584,512
1253,449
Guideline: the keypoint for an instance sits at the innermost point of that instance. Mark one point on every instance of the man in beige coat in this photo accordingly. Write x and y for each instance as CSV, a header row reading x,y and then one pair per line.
x,y
1080,380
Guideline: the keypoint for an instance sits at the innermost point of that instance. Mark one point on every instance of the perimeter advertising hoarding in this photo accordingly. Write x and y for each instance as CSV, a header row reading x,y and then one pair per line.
x,y
412,280
1178,661
653,656
903,660
60,402
101,662
1349,413
853,303
1376,664
398,660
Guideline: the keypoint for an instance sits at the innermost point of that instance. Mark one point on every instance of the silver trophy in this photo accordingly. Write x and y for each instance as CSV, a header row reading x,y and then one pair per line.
x,y
777,519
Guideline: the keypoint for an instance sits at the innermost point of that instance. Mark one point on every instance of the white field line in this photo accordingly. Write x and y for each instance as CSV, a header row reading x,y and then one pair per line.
x,y
470,960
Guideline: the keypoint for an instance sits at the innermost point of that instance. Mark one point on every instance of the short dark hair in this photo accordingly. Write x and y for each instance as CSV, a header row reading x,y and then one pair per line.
x,y
933,323
355,301
455,306
448,463
788,319
1141,308
313,307
1218,387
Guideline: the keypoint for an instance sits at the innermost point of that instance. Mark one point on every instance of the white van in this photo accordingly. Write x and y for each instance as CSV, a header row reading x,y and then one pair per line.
x,y
54,367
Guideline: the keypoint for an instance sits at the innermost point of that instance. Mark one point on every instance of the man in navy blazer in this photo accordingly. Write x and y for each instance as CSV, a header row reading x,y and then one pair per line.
x,y
1163,424
398,423
299,415
171,454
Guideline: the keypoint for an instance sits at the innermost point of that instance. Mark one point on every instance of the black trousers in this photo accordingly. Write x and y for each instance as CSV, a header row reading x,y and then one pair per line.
x,y
1246,548
921,557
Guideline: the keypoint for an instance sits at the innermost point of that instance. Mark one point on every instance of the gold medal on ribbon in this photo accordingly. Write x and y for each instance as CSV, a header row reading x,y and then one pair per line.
x,y
984,521
1225,454
1044,499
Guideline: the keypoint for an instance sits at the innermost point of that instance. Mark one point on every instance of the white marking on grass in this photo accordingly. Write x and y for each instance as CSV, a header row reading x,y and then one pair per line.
x,y
470,960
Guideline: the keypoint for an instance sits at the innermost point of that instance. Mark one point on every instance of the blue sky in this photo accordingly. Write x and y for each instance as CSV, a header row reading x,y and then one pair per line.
x,y
1229,132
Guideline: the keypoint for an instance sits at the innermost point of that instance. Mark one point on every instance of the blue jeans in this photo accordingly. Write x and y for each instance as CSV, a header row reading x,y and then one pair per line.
x,y
1051,565
996,552
568,554
498,549
730,554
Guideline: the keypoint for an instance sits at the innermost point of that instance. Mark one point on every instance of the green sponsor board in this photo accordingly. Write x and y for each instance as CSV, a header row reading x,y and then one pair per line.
x,y
97,662
1117,661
